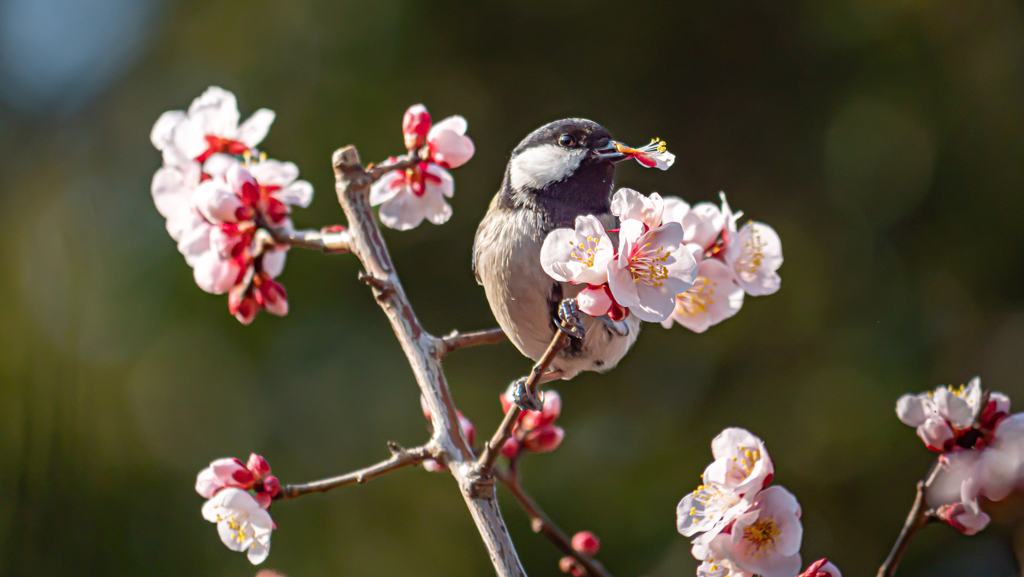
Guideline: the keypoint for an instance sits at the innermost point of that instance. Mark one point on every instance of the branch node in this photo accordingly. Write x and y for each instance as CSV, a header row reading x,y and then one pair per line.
x,y
381,287
395,448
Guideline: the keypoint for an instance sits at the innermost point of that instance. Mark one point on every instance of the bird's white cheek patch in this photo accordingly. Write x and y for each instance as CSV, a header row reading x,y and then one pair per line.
x,y
539,166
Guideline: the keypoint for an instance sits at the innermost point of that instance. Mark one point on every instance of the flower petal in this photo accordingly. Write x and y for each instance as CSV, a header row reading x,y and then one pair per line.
x,y
255,128
594,301
215,112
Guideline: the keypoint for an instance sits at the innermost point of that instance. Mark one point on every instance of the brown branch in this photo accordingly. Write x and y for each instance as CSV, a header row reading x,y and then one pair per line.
x,y
456,340
401,459
423,353
485,464
917,519
541,523
331,242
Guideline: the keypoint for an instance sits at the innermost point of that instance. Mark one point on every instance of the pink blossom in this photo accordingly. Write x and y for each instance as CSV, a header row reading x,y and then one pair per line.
x,y
408,197
651,269
227,472
962,519
653,155
766,540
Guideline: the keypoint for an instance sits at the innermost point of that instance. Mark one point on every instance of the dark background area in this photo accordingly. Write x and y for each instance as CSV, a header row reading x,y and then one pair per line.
x,y
883,139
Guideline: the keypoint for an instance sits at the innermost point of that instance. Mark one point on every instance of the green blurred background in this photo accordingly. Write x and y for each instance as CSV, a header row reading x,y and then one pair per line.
x,y
883,139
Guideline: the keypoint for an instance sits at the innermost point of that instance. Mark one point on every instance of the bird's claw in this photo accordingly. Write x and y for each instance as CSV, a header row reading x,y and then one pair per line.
x,y
571,318
524,398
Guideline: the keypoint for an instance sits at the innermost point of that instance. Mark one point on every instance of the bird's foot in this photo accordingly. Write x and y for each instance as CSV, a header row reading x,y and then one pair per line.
x,y
524,398
571,318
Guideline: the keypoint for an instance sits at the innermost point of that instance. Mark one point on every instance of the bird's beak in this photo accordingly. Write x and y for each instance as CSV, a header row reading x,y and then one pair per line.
x,y
611,152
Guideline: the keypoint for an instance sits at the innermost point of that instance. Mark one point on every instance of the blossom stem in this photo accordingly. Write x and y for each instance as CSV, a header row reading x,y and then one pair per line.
x,y
352,183
456,340
917,519
541,523
401,459
485,464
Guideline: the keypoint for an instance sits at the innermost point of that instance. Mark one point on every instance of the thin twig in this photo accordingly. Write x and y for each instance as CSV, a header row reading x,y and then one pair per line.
x,y
485,464
917,519
541,523
399,460
456,340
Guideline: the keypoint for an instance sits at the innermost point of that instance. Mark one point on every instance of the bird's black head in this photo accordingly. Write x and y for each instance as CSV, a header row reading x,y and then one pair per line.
x,y
564,168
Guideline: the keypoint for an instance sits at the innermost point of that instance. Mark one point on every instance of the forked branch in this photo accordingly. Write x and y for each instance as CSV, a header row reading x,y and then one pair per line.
x,y
917,519
456,340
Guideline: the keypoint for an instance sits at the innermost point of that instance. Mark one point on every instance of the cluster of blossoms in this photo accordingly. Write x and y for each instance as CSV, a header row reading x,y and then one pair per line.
x,y
642,276
406,197
742,525
238,497
730,262
586,544
219,195
982,448
535,431
674,262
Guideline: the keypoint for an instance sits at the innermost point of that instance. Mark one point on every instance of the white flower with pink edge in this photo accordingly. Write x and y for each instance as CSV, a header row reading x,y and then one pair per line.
x,y
741,465
651,268
241,523
408,197
714,297
766,540
210,126
943,415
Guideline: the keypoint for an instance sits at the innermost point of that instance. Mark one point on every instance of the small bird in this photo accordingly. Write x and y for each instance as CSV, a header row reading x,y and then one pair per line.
x,y
562,170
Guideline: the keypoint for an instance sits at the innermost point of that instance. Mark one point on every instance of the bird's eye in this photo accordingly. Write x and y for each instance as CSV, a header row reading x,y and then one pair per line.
x,y
566,141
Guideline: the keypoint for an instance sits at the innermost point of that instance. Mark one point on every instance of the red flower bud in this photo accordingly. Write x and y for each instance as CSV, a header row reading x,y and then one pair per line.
x,y
271,485
570,565
543,439
511,448
258,465
415,126
552,409
586,542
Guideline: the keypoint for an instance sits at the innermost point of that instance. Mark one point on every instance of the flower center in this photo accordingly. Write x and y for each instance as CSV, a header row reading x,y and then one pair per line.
x,y
238,528
647,265
752,255
743,464
762,534
696,300
216,144
586,252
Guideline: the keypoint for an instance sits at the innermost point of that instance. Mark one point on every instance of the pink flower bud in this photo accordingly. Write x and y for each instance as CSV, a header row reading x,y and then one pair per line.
x,y
511,448
961,519
271,485
258,465
543,439
270,295
222,473
263,499
552,409
415,126
586,542
821,568
242,304
998,407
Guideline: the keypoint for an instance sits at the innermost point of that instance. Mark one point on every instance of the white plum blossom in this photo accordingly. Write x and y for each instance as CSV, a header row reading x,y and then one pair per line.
x,y
652,267
628,204
579,255
715,296
172,190
407,197
242,524
741,465
210,126
708,510
942,415
715,563
766,540
755,254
